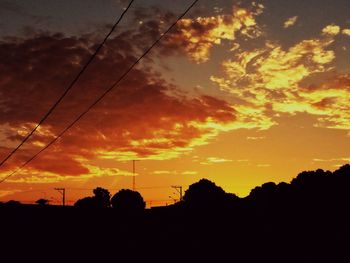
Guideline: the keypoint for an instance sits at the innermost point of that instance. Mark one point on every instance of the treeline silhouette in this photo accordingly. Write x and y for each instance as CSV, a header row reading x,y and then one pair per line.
x,y
306,220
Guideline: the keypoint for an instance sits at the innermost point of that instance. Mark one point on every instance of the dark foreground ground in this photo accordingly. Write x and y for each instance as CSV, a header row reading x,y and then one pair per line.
x,y
171,235
307,221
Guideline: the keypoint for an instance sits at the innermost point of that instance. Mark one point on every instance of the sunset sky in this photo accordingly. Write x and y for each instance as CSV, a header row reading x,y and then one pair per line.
x,y
240,92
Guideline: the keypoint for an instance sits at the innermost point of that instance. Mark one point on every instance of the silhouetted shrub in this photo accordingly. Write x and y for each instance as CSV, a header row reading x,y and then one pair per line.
x,y
86,202
264,191
13,203
101,199
343,171
128,201
42,202
206,194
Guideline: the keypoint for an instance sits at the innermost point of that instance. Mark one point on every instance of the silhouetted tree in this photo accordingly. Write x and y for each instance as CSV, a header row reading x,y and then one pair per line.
x,y
263,193
102,197
206,194
311,179
278,223
86,202
343,171
322,189
128,201
13,203
42,202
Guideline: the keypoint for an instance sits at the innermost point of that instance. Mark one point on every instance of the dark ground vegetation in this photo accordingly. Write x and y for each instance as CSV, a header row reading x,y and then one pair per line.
x,y
306,220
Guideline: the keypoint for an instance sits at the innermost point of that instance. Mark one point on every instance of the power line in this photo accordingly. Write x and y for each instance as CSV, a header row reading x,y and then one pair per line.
x,y
152,187
77,77
117,189
103,94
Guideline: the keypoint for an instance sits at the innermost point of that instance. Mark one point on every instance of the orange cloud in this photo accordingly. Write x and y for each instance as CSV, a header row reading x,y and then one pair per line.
x,y
215,160
198,36
146,117
270,80
8,192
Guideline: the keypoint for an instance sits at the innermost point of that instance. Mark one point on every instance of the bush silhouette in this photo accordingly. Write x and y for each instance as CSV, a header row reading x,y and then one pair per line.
x,y
13,203
42,202
306,220
128,201
264,193
101,199
86,202
206,194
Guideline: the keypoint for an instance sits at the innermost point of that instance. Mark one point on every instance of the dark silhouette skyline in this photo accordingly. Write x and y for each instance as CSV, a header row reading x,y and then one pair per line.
x,y
206,193
306,220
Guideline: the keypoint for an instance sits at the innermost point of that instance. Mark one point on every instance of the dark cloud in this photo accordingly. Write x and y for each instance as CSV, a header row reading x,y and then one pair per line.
x,y
12,8
325,103
143,115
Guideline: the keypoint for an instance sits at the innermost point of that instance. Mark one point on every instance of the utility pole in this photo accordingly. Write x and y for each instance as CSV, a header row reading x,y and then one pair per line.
x,y
133,175
62,191
178,189
172,198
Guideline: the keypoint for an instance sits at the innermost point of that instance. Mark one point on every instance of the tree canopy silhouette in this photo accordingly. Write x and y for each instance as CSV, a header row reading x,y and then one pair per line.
x,y
310,190
42,202
13,203
101,199
128,201
310,215
205,193
86,202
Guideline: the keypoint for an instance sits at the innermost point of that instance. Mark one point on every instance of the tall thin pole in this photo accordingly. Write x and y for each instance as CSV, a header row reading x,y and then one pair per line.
x,y
133,175
62,191
178,188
